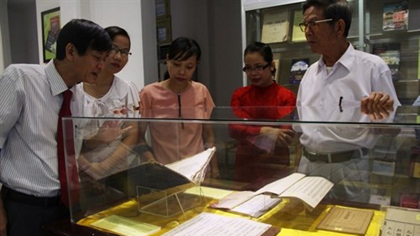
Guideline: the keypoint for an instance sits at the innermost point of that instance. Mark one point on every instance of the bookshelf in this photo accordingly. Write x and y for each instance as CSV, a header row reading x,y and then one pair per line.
x,y
367,30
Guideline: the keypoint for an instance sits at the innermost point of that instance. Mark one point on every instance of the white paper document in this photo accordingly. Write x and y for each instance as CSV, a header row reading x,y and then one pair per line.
x,y
310,189
257,206
207,224
401,222
194,167
234,199
279,186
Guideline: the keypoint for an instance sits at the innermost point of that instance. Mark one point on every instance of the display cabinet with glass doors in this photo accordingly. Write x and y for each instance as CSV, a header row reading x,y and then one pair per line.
x,y
387,28
327,172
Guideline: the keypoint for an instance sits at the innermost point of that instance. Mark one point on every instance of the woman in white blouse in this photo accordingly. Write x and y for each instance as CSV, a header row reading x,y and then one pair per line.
x,y
107,144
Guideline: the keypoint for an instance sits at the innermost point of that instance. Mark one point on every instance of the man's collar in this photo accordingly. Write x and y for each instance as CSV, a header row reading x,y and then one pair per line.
x,y
54,78
345,59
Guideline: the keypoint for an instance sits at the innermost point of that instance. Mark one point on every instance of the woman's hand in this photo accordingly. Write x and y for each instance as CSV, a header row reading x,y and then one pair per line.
x,y
282,137
285,137
110,131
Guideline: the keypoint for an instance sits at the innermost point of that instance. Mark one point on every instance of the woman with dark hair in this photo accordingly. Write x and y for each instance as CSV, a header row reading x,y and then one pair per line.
x,y
107,144
261,147
178,97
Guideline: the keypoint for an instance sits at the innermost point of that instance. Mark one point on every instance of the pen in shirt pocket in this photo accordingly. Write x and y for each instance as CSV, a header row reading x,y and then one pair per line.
x,y
343,103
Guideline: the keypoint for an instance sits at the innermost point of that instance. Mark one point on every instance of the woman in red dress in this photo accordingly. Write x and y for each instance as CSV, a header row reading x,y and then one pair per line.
x,y
262,150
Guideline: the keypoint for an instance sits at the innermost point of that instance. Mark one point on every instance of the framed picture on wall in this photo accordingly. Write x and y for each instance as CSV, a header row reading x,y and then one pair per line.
x,y
162,8
163,30
50,21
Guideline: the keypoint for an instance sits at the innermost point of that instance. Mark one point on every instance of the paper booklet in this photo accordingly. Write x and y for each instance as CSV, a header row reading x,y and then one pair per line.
x,y
346,220
153,175
126,226
218,225
310,189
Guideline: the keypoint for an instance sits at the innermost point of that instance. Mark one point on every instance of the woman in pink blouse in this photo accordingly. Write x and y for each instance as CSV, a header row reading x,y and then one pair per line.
x,y
181,98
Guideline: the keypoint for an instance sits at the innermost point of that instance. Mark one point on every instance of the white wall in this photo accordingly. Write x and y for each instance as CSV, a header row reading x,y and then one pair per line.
x,y
124,13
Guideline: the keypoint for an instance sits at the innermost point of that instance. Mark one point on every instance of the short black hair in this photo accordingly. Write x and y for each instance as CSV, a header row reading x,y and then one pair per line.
x,y
181,49
334,9
115,31
263,49
83,34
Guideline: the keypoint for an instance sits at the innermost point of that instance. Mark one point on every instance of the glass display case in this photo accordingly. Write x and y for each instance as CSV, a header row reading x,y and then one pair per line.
x,y
389,29
300,175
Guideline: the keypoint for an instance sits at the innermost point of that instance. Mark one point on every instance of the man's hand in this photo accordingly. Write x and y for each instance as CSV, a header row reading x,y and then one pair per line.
x,y
3,220
377,106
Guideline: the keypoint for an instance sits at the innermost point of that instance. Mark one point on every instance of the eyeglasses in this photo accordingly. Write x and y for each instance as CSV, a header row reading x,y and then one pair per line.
x,y
248,69
124,52
304,25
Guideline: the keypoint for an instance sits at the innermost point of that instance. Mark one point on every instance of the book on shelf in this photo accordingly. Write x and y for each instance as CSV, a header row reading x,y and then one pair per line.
x,y
213,224
409,200
395,16
298,69
346,220
297,34
390,53
275,28
380,197
382,167
182,174
309,189
415,162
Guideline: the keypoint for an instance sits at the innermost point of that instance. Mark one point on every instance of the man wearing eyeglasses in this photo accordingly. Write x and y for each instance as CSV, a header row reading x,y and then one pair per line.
x,y
342,74
332,90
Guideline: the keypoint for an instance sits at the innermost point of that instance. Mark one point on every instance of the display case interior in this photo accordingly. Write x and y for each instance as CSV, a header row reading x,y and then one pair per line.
x,y
314,165
389,29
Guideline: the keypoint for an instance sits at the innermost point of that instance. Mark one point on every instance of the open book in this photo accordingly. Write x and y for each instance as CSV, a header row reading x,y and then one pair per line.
x,y
153,175
194,168
310,189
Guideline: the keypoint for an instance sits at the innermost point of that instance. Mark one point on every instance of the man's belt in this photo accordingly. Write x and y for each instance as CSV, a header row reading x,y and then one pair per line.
x,y
334,157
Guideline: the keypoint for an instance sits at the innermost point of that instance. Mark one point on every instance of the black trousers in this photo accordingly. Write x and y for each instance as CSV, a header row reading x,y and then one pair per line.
x,y
27,214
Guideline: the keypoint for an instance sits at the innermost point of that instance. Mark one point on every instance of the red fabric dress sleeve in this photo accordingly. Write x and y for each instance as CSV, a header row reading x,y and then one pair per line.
x,y
238,131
